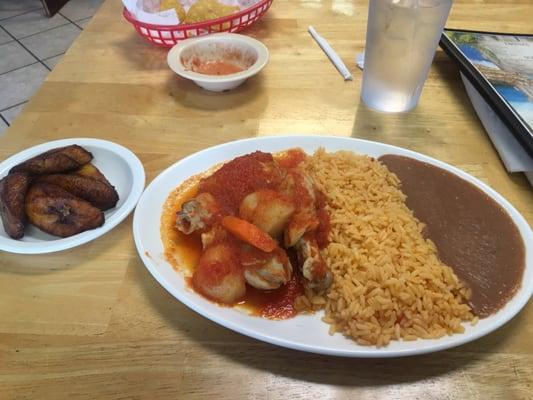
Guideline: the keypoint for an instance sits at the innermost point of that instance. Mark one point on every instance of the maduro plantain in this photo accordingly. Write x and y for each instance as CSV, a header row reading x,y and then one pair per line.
x,y
90,171
13,188
56,211
99,194
58,160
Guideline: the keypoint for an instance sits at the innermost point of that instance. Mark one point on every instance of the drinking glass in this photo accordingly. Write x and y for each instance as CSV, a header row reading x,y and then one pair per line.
x,y
401,39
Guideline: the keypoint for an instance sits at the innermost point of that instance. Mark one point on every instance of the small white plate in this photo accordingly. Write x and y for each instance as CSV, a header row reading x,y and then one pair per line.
x,y
120,166
303,332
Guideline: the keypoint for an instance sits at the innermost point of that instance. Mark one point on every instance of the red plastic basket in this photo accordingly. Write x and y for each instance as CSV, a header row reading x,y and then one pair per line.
x,y
169,35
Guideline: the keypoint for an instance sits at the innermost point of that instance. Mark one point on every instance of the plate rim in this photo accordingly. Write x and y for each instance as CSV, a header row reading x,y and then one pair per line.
x,y
135,167
360,352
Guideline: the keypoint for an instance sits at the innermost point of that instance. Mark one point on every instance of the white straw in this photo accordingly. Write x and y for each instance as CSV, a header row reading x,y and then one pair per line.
x,y
335,59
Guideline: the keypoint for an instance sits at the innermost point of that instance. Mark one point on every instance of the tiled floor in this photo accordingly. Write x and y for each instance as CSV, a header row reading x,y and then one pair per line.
x,y
31,44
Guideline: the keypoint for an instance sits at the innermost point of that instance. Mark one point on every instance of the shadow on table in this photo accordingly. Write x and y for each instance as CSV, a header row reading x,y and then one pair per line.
x,y
189,95
143,55
312,368
421,124
354,372
448,71
149,58
49,263
410,129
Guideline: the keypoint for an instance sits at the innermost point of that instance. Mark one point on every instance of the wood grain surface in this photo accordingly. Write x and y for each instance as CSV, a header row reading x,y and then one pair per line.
x,y
91,323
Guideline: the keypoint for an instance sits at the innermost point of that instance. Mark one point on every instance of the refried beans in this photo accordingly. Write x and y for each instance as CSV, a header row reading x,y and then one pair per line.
x,y
474,235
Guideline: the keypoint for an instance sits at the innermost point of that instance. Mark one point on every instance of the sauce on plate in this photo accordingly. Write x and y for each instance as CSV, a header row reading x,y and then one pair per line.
x,y
274,304
474,235
230,199
183,253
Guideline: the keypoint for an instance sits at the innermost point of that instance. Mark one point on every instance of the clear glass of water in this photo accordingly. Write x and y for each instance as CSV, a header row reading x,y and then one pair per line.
x,y
401,39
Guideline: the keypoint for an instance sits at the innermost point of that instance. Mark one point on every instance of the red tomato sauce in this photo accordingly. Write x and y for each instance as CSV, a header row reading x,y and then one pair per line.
x,y
180,250
324,226
291,158
217,67
274,304
229,185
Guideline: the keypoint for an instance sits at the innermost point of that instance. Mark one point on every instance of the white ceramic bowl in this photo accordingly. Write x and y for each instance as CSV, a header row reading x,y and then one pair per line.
x,y
253,57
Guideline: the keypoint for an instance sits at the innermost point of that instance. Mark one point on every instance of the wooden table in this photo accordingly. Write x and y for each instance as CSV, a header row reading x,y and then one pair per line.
x,y
92,323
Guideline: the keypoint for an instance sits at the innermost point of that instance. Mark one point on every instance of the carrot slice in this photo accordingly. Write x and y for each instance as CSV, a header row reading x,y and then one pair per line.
x,y
249,233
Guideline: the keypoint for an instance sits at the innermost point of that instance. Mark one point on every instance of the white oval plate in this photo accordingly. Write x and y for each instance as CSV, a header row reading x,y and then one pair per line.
x,y
306,333
120,166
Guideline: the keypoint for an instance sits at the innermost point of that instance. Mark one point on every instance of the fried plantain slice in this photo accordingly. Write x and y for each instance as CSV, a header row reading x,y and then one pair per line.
x,y
90,171
77,153
56,211
99,194
13,188
62,159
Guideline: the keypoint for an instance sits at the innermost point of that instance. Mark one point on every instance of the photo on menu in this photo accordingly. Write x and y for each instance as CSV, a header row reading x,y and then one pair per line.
x,y
500,66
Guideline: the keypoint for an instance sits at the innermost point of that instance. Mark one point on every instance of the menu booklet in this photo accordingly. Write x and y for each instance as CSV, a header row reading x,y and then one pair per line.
x,y
500,67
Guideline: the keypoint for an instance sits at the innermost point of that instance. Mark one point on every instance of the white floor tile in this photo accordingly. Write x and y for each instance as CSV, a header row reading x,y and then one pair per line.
x,y
19,85
3,126
52,61
12,56
4,37
31,23
80,9
53,42
11,113
10,8
83,22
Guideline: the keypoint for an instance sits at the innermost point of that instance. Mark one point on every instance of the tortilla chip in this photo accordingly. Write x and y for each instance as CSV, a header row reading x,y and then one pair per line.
x,y
204,10
173,4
